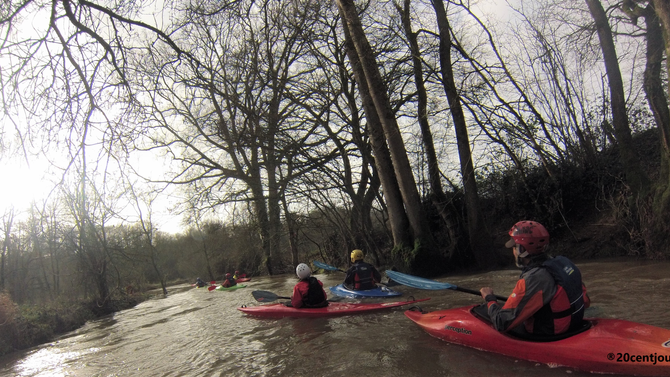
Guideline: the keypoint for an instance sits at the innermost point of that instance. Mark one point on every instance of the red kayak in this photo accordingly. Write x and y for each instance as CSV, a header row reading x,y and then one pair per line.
x,y
608,346
242,280
333,309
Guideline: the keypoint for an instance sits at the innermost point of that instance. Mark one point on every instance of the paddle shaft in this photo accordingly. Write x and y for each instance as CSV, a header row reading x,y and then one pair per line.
x,y
265,296
423,283
328,267
477,293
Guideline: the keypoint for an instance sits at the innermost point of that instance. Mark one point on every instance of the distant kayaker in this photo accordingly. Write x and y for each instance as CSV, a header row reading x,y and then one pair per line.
x,y
308,293
229,281
549,297
200,283
236,275
361,275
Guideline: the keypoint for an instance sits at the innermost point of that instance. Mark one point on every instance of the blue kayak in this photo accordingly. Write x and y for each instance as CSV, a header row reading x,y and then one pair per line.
x,y
380,291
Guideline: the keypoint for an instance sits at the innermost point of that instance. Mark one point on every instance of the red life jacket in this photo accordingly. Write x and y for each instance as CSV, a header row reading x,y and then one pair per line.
x,y
363,276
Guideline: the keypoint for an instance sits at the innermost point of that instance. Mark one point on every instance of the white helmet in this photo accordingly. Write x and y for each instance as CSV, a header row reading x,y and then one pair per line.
x,y
303,271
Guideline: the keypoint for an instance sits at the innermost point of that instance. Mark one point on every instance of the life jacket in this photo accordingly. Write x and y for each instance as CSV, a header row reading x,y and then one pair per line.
x,y
229,282
569,298
315,297
363,277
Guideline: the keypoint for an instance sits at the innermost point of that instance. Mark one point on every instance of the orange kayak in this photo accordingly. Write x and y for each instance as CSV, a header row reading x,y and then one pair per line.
x,y
608,346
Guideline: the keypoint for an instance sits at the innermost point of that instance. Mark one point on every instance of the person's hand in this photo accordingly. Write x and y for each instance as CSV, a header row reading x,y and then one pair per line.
x,y
486,291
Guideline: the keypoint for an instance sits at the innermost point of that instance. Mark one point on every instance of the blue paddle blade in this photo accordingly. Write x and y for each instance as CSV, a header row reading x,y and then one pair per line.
x,y
324,266
417,282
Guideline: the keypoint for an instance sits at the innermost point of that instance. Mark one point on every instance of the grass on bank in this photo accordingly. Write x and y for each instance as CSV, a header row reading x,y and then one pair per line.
x,y
25,326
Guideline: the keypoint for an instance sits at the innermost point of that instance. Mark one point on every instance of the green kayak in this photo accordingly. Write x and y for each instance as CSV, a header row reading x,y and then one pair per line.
x,y
234,287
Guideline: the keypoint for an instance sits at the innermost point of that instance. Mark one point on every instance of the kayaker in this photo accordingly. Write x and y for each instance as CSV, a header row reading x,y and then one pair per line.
x,y
229,281
361,275
200,283
308,293
236,275
549,297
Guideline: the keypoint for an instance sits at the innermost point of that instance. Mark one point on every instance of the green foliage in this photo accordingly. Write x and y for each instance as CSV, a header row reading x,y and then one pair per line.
x,y
8,331
588,206
404,256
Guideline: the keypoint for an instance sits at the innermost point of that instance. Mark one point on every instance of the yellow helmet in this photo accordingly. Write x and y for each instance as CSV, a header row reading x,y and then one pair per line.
x,y
356,255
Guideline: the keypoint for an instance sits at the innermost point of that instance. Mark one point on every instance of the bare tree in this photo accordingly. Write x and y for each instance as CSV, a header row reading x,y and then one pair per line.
x,y
480,239
149,232
398,217
402,168
438,197
7,222
635,176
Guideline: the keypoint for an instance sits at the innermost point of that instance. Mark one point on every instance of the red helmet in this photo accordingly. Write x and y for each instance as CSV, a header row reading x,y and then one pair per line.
x,y
227,275
532,235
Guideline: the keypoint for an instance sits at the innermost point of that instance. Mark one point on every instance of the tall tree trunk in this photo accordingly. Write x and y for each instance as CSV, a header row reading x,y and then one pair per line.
x,y
7,222
261,212
365,191
635,176
292,228
396,211
480,240
401,165
438,197
270,158
662,195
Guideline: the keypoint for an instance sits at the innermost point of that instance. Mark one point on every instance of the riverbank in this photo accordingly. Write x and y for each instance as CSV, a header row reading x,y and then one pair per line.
x,y
25,326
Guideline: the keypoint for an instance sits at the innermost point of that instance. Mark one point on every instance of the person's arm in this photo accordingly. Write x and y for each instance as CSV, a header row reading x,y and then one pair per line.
x,y
376,275
587,299
349,277
296,298
521,305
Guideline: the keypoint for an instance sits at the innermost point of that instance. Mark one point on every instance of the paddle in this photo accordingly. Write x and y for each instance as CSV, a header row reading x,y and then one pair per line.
x,y
266,296
421,283
211,288
328,267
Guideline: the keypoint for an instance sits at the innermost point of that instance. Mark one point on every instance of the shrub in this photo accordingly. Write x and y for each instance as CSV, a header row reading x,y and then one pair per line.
x,y
8,333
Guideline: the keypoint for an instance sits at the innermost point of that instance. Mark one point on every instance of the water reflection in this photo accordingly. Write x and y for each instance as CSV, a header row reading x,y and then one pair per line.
x,y
47,362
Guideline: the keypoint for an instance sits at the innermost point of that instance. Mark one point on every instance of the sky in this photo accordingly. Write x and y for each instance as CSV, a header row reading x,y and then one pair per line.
x,y
22,183
27,183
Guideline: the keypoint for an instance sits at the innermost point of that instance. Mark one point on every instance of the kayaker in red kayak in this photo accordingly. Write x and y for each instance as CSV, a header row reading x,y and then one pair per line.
x,y
549,298
229,281
308,293
361,275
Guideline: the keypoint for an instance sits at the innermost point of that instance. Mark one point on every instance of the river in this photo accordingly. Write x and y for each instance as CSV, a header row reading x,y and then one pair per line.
x,y
195,332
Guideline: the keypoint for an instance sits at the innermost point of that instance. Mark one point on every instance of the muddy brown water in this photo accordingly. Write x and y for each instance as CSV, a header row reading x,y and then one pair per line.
x,y
195,332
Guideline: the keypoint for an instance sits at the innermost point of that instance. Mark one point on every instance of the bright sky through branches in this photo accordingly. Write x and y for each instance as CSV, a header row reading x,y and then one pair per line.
x,y
22,184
